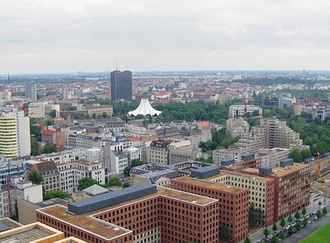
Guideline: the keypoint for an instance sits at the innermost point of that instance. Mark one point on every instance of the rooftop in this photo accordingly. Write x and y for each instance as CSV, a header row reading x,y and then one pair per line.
x,y
281,171
31,233
209,184
90,224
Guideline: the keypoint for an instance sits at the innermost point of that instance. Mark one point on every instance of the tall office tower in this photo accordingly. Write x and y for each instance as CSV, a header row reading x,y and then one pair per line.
x,y
31,92
14,133
121,85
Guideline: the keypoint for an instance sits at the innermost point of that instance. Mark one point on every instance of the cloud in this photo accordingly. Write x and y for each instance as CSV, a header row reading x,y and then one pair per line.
x,y
159,35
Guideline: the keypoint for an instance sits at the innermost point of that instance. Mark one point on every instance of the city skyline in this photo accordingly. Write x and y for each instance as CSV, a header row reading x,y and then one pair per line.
x,y
52,37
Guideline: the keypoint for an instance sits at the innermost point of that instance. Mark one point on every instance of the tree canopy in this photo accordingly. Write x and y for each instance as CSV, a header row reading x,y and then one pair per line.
x,y
85,183
56,194
35,177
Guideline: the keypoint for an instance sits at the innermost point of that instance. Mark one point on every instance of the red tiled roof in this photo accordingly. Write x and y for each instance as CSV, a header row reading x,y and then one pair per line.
x,y
48,132
204,124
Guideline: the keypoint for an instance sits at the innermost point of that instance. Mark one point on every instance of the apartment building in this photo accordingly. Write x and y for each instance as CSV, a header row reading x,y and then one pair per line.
x,y
50,175
220,155
158,152
14,133
84,140
183,151
233,203
72,172
143,213
242,110
272,157
280,135
235,127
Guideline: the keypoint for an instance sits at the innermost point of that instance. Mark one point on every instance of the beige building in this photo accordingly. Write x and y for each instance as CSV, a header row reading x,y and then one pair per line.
x,y
272,157
280,135
50,175
37,110
158,152
183,151
236,127
261,190
98,110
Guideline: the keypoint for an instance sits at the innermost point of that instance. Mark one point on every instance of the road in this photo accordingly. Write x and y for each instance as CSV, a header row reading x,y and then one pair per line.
x,y
258,236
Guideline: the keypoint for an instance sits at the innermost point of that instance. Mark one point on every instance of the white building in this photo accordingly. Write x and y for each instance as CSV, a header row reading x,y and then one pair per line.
x,y
14,133
37,109
236,127
72,172
118,161
239,110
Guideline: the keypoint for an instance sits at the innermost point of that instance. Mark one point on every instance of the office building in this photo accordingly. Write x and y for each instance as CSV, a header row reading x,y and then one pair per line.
x,y
14,133
292,186
121,85
244,110
143,213
233,203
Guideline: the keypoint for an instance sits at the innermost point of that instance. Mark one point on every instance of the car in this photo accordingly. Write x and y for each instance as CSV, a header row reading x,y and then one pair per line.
x,y
314,212
293,225
316,218
309,222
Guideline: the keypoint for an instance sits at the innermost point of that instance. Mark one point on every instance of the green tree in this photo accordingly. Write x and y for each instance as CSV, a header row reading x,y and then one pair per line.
x,y
56,194
305,222
48,149
318,214
290,219
290,231
282,222
298,226
52,113
134,163
297,215
224,233
282,235
275,227
247,240
306,153
274,239
296,156
303,211
266,232
126,184
85,183
114,181
35,177
325,211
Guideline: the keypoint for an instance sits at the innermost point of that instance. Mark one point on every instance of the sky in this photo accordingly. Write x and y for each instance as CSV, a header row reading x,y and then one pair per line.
x,y
47,36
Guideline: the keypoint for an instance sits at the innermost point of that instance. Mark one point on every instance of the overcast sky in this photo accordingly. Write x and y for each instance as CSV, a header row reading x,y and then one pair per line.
x,y
43,36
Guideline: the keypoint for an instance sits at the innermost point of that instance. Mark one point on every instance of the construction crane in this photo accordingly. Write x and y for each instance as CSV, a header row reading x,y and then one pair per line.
x,y
318,169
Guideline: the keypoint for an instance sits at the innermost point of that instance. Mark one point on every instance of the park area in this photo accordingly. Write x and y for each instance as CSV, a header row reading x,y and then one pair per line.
x,y
321,235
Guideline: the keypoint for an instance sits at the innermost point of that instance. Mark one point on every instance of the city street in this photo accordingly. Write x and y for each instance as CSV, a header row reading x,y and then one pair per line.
x,y
314,206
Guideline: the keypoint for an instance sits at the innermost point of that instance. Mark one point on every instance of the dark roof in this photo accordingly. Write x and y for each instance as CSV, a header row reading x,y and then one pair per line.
x,y
46,166
160,144
111,198
3,227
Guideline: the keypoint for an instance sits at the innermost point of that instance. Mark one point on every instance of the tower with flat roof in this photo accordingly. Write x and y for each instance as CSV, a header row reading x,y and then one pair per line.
x,y
121,85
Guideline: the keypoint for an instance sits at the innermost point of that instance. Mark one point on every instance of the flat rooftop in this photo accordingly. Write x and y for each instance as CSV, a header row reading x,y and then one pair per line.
x,y
209,184
107,230
93,225
26,234
281,171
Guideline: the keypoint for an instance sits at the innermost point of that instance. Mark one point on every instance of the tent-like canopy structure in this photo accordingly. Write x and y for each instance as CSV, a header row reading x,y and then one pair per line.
x,y
144,109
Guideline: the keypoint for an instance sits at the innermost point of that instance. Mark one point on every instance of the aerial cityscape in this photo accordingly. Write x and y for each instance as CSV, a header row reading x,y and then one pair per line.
x,y
161,122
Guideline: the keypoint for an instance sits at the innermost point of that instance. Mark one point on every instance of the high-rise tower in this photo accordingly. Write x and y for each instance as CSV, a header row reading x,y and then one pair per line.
x,y
121,85
14,133
31,92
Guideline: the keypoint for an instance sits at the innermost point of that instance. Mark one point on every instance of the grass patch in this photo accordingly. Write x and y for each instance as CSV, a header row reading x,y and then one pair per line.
x,y
321,235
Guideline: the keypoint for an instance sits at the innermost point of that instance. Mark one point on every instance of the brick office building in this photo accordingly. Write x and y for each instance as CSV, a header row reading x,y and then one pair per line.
x,y
143,213
291,186
233,203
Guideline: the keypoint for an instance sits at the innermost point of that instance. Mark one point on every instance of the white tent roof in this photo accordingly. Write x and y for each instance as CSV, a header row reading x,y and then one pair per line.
x,y
144,109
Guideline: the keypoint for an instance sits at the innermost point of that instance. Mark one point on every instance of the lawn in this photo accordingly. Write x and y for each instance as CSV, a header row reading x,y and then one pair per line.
x,y
321,235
